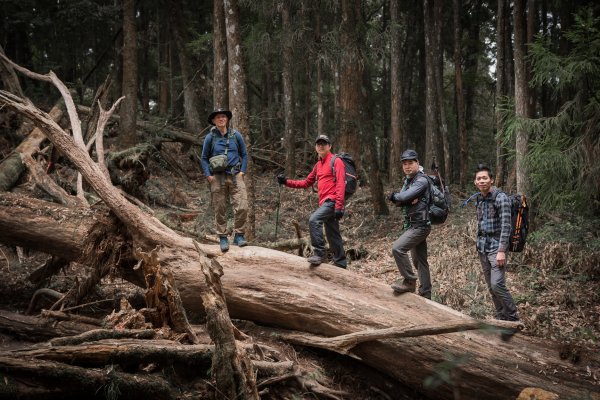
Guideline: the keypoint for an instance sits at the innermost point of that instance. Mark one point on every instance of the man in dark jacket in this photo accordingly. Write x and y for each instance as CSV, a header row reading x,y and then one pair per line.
x,y
331,203
493,234
224,161
414,198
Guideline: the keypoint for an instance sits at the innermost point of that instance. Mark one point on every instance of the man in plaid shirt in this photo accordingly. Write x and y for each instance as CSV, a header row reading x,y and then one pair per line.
x,y
494,224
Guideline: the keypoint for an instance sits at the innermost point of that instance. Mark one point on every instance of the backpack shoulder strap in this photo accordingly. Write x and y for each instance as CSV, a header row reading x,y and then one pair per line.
x,y
333,157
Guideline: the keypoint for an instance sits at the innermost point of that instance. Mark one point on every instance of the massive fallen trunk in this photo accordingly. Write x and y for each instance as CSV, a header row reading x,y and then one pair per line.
x,y
279,289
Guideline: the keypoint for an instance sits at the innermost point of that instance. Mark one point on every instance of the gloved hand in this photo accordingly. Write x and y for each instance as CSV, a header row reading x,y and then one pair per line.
x,y
391,197
339,214
281,179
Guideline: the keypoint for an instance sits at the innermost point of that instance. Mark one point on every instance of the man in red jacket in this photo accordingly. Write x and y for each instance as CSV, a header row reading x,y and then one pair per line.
x,y
331,203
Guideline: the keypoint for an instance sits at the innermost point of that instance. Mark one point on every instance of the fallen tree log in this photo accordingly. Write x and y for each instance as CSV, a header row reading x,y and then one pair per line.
x,y
34,378
12,167
36,329
280,289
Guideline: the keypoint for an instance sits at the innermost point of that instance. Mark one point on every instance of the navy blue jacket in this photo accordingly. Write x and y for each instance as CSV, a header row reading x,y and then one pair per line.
x,y
237,156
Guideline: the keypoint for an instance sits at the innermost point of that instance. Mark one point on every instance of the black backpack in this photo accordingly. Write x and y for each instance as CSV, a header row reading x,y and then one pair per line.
x,y
351,175
519,219
439,200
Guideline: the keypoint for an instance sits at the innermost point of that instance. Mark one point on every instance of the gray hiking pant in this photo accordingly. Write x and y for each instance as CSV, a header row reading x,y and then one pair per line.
x,y
325,215
496,282
414,239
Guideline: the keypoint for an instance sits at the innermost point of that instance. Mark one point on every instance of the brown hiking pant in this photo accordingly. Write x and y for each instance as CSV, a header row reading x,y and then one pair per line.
x,y
223,187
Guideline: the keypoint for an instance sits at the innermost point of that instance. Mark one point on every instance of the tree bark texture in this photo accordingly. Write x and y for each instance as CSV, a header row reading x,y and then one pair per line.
x,y
501,92
220,80
288,92
12,167
350,75
432,127
280,289
395,166
191,102
130,75
460,96
238,99
521,97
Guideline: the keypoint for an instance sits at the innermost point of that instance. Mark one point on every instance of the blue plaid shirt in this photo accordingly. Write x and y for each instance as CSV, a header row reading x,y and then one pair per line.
x,y
493,221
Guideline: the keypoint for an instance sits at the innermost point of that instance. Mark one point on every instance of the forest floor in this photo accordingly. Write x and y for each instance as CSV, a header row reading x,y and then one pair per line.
x,y
555,282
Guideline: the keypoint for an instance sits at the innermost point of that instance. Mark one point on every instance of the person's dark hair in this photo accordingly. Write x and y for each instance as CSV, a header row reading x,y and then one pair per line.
x,y
483,167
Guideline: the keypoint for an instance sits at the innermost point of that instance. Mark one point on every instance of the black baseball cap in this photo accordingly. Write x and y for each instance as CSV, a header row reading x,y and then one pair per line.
x,y
323,138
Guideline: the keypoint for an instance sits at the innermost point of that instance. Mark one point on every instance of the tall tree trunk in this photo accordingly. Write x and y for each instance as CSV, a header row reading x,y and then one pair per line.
x,y
220,81
521,97
238,99
463,139
351,72
431,105
320,81
144,75
288,93
396,136
439,90
531,31
501,38
193,122
128,110
370,145
163,63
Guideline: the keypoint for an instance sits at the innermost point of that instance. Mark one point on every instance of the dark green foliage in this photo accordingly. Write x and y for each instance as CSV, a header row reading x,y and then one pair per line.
x,y
564,149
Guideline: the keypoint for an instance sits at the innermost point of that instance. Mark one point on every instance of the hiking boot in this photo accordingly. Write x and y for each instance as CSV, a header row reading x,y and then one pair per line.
x,y
340,265
224,243
404,286
315,260
239,240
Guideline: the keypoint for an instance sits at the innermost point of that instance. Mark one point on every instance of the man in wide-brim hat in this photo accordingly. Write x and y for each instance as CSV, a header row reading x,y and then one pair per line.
x,y
224,161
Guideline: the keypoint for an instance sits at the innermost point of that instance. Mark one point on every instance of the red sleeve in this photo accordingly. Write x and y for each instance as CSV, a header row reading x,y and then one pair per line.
x,y
340,183
304,183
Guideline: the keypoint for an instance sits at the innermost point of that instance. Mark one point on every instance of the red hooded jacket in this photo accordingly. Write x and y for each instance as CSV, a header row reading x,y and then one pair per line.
x,y
322,174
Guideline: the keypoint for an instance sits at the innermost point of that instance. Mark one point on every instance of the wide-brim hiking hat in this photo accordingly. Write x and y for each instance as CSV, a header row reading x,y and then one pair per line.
x,y
409,155
219,111
323,138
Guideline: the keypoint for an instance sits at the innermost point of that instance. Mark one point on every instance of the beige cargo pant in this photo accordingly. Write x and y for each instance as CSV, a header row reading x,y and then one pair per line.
x,y
223,187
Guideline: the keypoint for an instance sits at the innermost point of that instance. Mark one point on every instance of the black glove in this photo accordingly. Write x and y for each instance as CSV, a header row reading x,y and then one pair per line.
x,y
391,197
339,214
281,179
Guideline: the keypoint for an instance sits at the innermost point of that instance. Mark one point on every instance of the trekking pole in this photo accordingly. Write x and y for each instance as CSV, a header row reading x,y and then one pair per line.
x,y
277,215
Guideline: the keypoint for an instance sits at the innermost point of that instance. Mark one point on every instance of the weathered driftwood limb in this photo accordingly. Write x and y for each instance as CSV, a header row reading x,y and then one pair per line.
x,y
169,133
39,293
9,77
103,334
36,329
12,167
34,378
343,344
102,120
97,353
287,244
47,184
63,316
231,366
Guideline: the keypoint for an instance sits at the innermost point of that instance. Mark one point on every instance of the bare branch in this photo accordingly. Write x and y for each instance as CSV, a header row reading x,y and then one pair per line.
x,y
102,120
